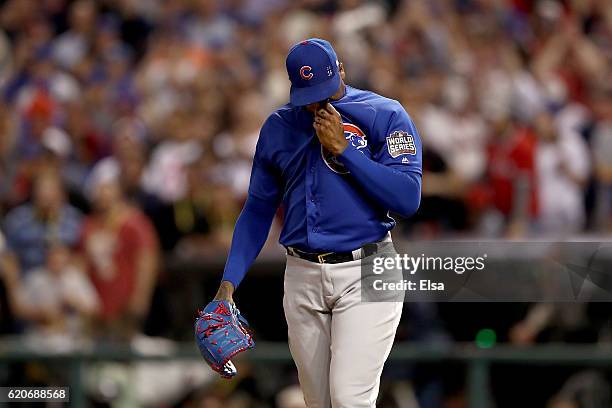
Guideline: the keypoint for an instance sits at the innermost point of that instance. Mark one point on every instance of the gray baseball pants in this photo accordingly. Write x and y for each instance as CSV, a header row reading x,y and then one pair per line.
x,y
338,342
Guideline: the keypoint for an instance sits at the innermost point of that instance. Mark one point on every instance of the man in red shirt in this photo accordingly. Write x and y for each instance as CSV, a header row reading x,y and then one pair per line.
x,y
512,176
121,252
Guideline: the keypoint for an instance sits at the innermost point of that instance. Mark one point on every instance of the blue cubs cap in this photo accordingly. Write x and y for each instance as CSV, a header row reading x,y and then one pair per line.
x,y
313,70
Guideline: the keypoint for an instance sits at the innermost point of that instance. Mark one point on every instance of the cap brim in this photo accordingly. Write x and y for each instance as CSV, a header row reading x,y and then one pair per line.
x,y
316,93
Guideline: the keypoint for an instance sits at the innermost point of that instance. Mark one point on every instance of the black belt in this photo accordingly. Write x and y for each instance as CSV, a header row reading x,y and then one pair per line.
x,y
334,257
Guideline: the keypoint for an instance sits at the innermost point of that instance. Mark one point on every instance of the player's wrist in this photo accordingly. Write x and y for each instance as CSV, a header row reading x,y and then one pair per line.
x,y
342,147
348,152
338,147
226,291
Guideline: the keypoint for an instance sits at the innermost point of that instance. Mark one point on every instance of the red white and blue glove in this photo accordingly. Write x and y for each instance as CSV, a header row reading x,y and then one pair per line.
x,y
221,332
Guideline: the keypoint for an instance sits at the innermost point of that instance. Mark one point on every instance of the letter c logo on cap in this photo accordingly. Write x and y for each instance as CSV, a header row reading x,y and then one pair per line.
x,y
305,72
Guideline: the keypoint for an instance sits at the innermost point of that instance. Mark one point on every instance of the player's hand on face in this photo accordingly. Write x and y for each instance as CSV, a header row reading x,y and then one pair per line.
x,y
328,125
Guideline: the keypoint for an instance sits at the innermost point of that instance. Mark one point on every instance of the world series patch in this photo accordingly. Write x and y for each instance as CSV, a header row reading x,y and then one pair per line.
x,y
400,142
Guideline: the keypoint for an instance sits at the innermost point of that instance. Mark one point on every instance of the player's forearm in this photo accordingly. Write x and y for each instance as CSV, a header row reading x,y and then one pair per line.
x,y
395,190
249,237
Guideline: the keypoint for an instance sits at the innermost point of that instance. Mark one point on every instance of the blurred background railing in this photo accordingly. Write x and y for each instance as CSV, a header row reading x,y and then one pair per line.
x,y
477,360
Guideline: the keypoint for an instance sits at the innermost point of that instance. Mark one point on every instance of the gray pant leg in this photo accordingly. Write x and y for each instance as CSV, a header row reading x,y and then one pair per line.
x,y
362,335
309,323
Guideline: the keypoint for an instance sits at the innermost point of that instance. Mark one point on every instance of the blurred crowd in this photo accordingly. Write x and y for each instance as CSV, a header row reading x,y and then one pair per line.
x,y
127,129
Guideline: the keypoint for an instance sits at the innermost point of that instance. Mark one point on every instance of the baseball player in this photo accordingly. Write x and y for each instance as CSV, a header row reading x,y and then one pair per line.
x,y
338,159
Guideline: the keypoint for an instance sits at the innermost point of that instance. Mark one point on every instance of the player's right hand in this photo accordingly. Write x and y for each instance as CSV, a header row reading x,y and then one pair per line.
x,y
328,126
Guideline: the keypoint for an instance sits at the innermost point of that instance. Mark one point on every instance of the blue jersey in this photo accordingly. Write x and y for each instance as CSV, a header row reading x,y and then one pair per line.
x,y
330,203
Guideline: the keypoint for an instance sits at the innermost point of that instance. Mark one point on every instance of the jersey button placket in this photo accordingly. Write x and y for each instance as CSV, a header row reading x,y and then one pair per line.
x,y
311,207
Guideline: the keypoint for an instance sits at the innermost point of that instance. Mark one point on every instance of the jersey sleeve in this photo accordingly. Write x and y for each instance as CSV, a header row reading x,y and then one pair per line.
x,y
392,176
398,143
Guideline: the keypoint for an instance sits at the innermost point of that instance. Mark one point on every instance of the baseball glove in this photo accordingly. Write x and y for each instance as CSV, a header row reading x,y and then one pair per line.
x,y
221,332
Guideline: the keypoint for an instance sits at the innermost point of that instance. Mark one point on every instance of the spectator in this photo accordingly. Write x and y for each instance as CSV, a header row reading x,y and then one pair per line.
x,y
121,252
7,162
562,169
130,155
511,178
200,223
8,270
71,47
457,132
165,176
185,223
55,299
602,155
47,219
236,146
